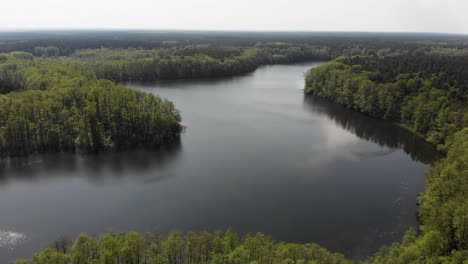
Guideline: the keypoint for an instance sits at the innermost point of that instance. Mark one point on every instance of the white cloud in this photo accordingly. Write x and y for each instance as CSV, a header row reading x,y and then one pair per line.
x,y
304,15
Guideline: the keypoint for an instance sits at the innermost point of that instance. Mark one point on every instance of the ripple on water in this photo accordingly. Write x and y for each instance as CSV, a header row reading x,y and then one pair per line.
x,y
10,239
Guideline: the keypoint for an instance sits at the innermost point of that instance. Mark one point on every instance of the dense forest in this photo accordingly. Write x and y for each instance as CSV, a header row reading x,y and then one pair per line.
x,y
152,55
427,94
65,43
199,61
51,106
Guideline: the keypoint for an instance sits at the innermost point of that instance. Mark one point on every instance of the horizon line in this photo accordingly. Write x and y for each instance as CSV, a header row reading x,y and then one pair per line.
x,y
8,30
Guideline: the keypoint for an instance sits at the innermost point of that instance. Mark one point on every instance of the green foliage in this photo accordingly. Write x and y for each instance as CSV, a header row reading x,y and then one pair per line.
x,y
409,91
50,51
62,107
51,256
445,204
191,61
18,55
193,248
22,261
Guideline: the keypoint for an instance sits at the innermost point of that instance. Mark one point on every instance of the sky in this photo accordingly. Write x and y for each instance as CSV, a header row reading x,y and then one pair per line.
x,y
443,16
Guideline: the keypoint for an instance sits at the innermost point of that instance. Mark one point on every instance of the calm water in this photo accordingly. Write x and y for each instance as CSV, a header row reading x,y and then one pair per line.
x,y
257,156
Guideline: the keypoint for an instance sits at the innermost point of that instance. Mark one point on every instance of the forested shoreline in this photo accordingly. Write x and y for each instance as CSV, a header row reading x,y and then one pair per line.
x,y
429,95
57,104
178,248
51,106
426,93
58,93
148,56
190,62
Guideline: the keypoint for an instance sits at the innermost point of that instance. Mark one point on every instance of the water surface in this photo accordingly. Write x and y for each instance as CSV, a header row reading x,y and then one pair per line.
x,y
257,156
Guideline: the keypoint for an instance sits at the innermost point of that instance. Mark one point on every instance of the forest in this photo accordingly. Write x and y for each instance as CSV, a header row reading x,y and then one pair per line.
x,y
178,248
199,61
50,106
343,43
426,93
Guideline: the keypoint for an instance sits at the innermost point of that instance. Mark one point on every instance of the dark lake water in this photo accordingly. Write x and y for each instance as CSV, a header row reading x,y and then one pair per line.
x,y
257,156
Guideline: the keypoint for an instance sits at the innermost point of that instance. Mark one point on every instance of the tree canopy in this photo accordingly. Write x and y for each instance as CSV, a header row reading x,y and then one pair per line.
x,y
428,94
52,106
178,248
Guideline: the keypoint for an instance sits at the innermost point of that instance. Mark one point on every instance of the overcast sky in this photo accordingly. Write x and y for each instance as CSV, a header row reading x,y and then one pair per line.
x,y
448,16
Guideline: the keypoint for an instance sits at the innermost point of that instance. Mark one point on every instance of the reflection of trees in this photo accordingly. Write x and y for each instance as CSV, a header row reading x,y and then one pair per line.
x,y
380,132
94,166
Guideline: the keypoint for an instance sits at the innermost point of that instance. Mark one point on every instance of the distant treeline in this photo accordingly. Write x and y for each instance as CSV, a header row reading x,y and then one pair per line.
x,y
340,43
148,56
53,106
177,248
191,61
429,95
206,61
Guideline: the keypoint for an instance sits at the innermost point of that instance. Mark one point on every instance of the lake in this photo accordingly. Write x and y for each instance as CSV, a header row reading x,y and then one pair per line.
x,y
257,155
